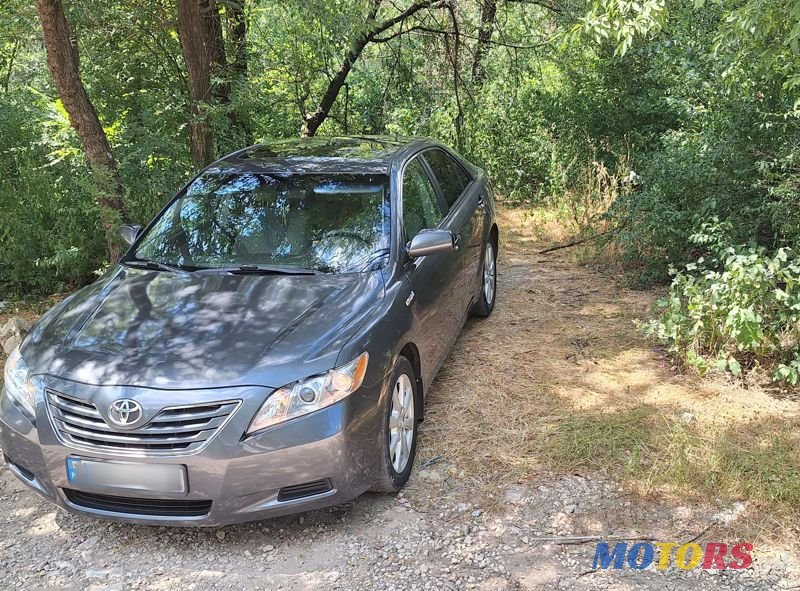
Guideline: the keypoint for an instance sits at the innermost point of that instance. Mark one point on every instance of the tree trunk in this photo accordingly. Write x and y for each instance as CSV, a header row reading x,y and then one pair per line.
x,y
488,15
312,121
198,53
62,61
236,72
10,67
216,44
237,33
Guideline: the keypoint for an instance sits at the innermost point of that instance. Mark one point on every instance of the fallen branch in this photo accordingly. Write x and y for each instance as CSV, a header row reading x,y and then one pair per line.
x,y
565,540
432,461
702,533
573,243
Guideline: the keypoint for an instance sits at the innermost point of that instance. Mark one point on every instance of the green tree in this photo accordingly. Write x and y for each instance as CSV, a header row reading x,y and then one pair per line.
x,y
63,60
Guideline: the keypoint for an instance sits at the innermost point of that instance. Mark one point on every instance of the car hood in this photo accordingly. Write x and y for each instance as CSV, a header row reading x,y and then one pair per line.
x,y
157,329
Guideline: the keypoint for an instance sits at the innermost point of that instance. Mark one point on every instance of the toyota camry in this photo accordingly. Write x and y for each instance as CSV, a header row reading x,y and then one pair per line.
x,y
266,343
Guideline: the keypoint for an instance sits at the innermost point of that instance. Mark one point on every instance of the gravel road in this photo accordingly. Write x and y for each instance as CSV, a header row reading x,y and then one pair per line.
x,y
431,537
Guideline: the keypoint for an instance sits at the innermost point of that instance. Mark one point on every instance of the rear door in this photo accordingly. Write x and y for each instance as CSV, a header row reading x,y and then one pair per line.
x,y
464,218
431,277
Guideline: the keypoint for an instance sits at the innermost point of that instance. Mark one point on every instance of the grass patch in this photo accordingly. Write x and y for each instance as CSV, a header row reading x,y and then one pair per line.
x,y
606,441
756,461
759,462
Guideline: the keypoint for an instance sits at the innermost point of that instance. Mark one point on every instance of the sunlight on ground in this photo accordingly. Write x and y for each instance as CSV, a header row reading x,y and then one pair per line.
x,y
560,379
45,525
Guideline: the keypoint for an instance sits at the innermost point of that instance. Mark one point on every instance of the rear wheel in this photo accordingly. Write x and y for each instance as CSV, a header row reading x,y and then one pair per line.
x,y
485,304
399,437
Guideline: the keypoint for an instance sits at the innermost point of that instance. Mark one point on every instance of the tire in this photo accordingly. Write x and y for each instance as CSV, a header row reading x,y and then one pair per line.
x,y
488,294
394,472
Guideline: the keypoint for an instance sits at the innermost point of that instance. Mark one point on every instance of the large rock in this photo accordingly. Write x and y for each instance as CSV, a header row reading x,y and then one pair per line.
x,y
12,333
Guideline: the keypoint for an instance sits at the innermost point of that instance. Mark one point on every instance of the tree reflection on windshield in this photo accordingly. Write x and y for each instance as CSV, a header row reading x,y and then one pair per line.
x,y
331,223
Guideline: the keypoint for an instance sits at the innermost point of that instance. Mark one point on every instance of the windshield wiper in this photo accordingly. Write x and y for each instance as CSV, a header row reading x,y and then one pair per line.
x,y
261,270
156,266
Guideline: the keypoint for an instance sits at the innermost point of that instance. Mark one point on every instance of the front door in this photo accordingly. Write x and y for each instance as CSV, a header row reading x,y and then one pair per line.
x,y
432,277
465,218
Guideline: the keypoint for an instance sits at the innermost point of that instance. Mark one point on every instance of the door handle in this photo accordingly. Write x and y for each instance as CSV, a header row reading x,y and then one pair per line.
x,y
456,242
481,203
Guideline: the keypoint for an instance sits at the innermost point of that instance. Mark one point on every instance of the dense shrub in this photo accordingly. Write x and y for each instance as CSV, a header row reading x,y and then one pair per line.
x,y
46,210
735,308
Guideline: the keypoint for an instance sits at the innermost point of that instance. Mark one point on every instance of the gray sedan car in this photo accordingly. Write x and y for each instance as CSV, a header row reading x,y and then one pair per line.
x,y
266,343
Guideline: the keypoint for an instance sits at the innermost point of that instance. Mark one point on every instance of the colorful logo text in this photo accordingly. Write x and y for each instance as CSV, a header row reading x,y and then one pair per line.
x,y
640,555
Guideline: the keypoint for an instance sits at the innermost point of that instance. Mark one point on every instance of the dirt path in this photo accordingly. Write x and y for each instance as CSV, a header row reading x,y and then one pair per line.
x,y
556,377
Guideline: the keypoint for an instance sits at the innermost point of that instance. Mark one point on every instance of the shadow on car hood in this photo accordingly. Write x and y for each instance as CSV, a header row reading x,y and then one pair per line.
x,y
166,330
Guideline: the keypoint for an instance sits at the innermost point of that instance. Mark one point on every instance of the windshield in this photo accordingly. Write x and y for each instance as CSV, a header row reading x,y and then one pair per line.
x,y
330,223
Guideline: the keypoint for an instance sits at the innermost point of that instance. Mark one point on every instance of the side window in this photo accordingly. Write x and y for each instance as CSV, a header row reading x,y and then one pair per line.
x,y
452,178
420,206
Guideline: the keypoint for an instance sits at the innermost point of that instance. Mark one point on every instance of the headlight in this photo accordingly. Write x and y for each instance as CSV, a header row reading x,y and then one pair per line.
x,y
18,384
310,394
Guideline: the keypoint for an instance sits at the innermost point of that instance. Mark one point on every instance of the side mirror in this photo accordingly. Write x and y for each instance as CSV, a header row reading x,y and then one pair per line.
x,y
129,233
431,242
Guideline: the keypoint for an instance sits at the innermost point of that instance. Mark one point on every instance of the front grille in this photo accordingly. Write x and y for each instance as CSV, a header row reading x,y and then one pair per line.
x,y
132,506
184,429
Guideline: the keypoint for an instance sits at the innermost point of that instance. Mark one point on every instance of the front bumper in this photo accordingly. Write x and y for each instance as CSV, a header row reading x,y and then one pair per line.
x,y
321,459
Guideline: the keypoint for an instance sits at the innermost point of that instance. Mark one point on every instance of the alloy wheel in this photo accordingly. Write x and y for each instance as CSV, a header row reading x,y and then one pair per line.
x,y
489,274
401,423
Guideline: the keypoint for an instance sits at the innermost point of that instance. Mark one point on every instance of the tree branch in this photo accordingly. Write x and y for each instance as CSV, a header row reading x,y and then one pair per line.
x,y
401,32
423,29
312,121
545,5
574,242
408,12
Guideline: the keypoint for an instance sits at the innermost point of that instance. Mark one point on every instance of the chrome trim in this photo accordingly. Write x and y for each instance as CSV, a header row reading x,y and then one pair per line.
x,y
90,425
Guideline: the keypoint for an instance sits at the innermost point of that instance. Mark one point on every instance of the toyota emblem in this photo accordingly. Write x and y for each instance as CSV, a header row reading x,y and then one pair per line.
x,y
125,412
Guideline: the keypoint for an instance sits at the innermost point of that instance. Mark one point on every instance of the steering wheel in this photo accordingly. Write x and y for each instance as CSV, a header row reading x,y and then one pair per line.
x,y
346,234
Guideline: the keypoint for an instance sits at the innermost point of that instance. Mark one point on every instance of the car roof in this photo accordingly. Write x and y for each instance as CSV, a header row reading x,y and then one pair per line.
x,y
351,154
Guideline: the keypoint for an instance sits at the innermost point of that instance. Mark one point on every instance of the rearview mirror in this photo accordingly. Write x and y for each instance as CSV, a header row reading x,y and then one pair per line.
x,y
129,233
431,242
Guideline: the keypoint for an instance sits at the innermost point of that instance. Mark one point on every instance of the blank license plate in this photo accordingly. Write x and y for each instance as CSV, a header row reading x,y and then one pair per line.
x,y
126,477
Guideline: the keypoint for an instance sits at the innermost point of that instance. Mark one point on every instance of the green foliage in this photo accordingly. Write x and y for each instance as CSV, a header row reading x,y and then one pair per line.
x,y
735,307
513,140
643,119
621,22
44,208
765,35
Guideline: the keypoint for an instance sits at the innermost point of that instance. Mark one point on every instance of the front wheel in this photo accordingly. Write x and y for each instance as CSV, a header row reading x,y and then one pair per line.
x,y
485,304
399,436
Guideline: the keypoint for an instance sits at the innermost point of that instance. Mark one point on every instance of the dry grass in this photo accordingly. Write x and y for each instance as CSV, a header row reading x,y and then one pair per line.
x,y
558,379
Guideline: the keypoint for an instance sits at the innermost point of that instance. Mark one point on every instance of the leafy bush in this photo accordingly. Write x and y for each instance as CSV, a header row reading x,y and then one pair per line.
x,y
737,307
48,219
